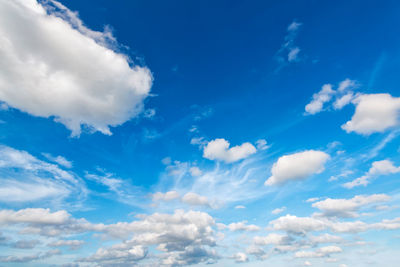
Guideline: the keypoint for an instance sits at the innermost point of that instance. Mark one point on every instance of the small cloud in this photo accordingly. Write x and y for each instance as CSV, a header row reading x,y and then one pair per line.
x,y
195,171
262,144
278,210
219,149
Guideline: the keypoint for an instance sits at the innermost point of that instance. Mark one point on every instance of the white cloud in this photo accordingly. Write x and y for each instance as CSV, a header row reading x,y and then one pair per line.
x,y
262,144
382,167
325,238
343,100
293,54
313,199
307,263
240,257
374,113
278,210
195,171
195,199
348,208
76,78
243,226
26,178
240,207
289,52
319,253
59,159
347,84
168,196
318,100
218,149
271,239
72,244
297,166
298,225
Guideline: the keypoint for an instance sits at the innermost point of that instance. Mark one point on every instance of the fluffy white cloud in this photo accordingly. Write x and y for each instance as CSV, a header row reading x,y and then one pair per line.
x,y
240,257
318,100
381,167
374,113
195,199
272,239
243,226
297,166
53,66
348,208
218,149
168,196
298,225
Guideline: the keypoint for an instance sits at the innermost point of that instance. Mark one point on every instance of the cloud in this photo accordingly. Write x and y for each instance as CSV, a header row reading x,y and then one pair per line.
x,y
298,225
347,208
278,210
382,167
195,171
272,239
374,113
72,244
59,160
117,254
77,78
168,196
240,257
289,52
243,226
297,166
343,95
319,99
26,244
325,238
262,144
240,207
195,199
343,100
319,253
218,149
29,258
26,178
293,54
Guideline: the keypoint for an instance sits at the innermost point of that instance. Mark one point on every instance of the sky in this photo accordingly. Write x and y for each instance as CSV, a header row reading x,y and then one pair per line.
x,y
193,133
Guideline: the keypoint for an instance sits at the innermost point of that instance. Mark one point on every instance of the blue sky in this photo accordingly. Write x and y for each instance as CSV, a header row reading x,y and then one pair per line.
x,y
177,133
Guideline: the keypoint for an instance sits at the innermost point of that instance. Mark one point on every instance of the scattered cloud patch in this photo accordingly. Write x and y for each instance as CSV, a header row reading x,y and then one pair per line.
x,y
374,113
219,149
297,166
382,167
